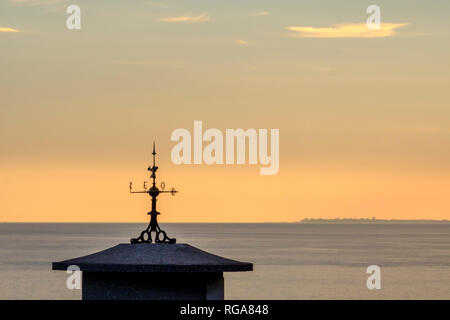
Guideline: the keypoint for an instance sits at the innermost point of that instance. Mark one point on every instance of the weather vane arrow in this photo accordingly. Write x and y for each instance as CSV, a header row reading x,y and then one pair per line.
x,y
153,233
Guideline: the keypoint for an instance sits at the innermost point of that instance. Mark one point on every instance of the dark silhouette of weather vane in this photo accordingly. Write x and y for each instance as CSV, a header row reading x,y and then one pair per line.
x,y
153,233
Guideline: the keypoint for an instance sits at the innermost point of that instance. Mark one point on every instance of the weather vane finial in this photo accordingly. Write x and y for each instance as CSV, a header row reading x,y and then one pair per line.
x,y
153,233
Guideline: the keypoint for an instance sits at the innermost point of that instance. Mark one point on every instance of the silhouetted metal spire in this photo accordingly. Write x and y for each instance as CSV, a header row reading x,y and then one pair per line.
x,y
153,233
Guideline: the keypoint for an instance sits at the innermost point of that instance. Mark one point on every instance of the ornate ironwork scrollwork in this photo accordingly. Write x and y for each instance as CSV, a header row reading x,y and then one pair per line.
x,y
153,234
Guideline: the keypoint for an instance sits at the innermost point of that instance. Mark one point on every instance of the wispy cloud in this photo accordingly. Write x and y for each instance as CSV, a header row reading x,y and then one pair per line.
x,y
433,130
8,30
241,42
348,30
284,65
155,63
192,19
260,13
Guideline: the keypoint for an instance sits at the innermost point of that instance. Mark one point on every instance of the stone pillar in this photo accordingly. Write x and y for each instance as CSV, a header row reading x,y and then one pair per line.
x,y
153,272
152,286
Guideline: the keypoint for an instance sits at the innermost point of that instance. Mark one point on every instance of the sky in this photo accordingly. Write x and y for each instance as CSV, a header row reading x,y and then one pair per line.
x,y
363,115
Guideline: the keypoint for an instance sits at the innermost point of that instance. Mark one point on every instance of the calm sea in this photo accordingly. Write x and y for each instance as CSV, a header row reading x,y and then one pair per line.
x,y
291,261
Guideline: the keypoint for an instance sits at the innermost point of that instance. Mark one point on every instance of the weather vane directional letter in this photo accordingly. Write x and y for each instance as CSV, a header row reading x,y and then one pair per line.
x,y
153,233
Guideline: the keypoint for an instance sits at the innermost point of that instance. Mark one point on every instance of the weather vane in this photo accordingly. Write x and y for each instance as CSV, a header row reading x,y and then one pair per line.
x,y
153,233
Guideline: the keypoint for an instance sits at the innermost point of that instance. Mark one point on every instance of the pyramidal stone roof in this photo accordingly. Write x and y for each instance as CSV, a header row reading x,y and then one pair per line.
x,y
155,257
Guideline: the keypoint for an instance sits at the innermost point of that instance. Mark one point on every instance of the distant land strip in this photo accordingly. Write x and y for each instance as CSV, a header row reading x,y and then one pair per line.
x,y
371,220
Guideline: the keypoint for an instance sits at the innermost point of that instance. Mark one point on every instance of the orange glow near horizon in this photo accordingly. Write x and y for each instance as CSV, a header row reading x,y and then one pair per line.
x,y
87,194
